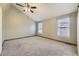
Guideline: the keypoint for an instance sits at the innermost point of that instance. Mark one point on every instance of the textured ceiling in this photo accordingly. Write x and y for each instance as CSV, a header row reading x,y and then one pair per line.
x,y
48,10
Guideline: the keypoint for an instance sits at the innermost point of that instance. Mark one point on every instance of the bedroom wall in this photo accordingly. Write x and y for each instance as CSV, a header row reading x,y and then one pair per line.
x,y
50,28
15,23
78,31
0,30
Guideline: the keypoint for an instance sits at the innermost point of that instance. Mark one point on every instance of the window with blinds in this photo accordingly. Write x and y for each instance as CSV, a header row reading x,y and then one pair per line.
x,y
63,25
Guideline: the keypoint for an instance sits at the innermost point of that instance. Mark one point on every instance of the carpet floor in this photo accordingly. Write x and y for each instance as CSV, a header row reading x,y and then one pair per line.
x,y
37,46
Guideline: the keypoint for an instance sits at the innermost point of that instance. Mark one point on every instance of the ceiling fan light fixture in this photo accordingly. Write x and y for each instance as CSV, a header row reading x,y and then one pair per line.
x,y
29,9
26,9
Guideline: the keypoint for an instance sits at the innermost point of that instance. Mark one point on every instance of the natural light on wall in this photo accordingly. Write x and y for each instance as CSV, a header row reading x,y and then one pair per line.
x,y
63,25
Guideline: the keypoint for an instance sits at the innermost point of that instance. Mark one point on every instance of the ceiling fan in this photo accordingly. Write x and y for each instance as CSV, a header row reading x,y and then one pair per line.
x,y
27,7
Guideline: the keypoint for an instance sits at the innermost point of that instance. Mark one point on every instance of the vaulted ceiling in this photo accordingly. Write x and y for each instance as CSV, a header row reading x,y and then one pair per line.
x,y
48,10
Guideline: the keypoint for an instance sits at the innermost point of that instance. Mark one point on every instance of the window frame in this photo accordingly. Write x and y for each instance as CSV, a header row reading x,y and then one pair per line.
x,y
39,28
65,27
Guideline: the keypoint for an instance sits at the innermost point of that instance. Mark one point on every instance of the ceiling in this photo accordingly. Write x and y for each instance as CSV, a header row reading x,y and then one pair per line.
x,y
48,10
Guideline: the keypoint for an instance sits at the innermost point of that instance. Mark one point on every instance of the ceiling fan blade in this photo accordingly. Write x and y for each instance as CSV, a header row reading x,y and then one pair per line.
x,y
28,5
25,4
31,11
19,5
34,7
24,10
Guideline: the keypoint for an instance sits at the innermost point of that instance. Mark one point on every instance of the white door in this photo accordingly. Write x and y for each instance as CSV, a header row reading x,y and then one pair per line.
x,y
0,30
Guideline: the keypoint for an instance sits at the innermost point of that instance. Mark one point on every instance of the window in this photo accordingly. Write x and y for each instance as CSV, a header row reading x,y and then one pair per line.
x,y
40,27
63,27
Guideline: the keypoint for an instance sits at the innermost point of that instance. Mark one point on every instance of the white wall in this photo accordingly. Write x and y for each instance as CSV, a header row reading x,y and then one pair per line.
x,y
15,23
0,30
78,31
50,28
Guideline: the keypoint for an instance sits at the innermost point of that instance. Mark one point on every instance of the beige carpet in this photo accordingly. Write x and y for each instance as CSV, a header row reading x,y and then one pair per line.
x,y
37,46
